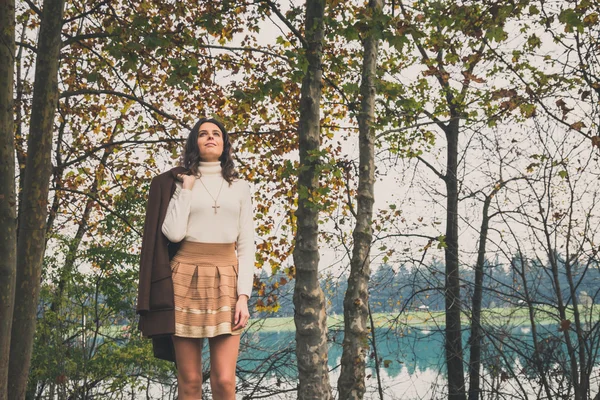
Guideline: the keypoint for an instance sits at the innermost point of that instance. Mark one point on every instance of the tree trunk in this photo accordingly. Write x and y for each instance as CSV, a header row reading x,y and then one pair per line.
x,y
33,209
454,353
562,307
582,391
476,332
309,300
351,384
8,210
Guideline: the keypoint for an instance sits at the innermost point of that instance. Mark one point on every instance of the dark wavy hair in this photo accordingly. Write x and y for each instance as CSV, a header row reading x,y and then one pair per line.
x,y
191,154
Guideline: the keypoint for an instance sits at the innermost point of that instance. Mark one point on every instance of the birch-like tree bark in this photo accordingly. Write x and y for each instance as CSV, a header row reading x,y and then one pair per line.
x,y
8,209
351,384
309,300
33,209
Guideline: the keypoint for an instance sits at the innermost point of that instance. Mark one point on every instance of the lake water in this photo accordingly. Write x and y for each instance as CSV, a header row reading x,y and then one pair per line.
x,y
412,365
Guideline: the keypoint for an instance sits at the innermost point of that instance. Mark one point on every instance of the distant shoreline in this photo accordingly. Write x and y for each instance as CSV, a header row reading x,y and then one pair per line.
x,y
509,316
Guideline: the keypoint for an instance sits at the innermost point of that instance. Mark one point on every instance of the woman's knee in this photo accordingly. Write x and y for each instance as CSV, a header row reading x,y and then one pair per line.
x,y
222,382
191,382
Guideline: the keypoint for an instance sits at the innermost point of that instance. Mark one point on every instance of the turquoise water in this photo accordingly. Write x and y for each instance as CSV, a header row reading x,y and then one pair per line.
x,y
411,363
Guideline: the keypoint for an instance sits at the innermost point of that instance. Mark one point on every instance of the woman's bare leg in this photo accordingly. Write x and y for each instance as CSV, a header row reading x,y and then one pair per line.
x,y
188,353
223,358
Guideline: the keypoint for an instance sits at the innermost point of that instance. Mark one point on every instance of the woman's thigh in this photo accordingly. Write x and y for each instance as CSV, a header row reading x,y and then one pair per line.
x,y
223,354
188,353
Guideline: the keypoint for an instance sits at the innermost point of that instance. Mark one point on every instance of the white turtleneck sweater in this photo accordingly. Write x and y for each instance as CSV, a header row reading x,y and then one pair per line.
x,y
191,216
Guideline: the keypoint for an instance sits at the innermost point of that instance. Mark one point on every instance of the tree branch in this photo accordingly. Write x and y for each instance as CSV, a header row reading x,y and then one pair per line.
x,y
404,235
85,13
432,168
74,39
34,7
120,94
291,27
107,208
384,133
27,46
112,144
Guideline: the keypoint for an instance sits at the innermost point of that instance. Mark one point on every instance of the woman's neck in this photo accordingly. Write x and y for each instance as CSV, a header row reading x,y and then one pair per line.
x,y
210,168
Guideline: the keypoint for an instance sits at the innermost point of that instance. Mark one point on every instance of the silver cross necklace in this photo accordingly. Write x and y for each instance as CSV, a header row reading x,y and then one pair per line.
x,y
218,194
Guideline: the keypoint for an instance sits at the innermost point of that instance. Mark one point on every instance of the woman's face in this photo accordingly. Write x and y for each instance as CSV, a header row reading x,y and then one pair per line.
x,y
210,142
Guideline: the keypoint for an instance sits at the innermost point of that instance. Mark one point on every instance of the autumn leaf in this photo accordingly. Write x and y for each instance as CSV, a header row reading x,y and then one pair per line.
x,y
470,77
585,94
500,93
563,107
565,324
591,19
578,125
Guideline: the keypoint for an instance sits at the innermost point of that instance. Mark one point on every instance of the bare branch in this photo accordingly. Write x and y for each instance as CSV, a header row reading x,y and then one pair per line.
x,y
34,7
432,168
119,94
104,206
291,27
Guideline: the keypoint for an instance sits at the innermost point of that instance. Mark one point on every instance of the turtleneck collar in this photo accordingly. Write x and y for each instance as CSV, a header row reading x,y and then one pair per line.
x,y
210,168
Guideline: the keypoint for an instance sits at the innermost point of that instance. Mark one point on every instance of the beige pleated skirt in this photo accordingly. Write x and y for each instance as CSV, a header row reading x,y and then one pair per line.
x,y
205,287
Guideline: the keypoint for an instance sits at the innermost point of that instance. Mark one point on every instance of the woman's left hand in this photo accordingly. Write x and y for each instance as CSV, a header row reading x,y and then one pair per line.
x,y
241,312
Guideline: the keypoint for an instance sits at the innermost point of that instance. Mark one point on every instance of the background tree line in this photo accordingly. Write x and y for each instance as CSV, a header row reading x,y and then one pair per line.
x,y
394,289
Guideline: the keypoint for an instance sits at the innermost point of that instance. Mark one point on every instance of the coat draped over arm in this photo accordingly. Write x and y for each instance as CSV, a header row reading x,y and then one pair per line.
x,y
155,303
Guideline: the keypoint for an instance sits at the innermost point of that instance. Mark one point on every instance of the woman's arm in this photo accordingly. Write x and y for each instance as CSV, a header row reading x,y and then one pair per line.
x,y
175,224
245,243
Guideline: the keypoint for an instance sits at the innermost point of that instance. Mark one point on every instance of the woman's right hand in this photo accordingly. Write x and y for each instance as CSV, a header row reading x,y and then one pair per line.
x,y
188,181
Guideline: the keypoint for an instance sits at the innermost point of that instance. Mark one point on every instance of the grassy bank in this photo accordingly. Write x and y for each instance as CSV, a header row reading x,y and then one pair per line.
x,y
514,316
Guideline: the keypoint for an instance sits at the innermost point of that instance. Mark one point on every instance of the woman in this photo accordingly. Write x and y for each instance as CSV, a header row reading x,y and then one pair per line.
x,y
210,215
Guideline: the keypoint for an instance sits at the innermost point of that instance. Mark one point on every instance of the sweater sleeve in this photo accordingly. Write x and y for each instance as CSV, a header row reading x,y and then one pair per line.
x,y
245,243
176,220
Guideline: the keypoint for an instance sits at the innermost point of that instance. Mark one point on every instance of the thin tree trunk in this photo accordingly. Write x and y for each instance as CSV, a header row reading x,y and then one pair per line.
x,y
33,210
454,353
476,331
534,333
309,300
376,355
544,213
351,384
71,257
562,307
8,203
476,334
18,111
584,371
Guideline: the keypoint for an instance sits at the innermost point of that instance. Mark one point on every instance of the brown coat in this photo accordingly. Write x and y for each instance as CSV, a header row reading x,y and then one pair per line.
x,y
155,303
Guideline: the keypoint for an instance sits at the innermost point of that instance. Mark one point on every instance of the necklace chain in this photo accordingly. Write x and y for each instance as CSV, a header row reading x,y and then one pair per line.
x,y
218,194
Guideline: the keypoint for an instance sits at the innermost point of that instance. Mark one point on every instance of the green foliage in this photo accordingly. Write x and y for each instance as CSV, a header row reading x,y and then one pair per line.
x,y
93,345
87,338
572,20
